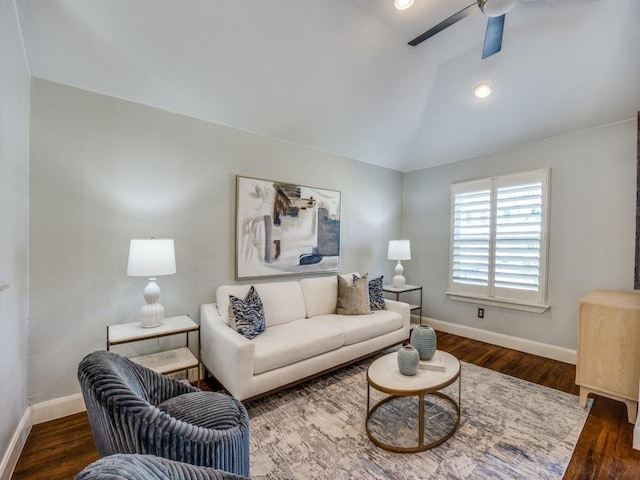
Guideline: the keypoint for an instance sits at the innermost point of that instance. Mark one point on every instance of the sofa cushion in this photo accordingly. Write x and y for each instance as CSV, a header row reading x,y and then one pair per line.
x,y
281,301
320,295
376,295
291,343
358,328
247,315
222,298
353,299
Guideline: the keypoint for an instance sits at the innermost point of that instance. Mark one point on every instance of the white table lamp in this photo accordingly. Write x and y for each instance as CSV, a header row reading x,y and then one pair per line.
x,y
399,250
151,258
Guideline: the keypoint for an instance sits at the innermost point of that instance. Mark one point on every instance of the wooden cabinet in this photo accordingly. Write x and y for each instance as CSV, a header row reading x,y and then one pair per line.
x,y
609,347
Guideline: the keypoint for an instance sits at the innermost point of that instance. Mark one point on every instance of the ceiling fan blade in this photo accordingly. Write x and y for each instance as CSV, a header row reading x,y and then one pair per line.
x,y
444,24
493,37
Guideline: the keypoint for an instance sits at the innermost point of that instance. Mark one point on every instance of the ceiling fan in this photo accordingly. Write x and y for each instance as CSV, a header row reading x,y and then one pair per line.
x,y
494,9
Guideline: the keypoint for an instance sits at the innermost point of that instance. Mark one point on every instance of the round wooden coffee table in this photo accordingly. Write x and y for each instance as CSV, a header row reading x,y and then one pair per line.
x,y
384,376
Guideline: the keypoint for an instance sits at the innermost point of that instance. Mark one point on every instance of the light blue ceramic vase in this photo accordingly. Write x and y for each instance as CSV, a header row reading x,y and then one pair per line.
x,y
408,359
423,339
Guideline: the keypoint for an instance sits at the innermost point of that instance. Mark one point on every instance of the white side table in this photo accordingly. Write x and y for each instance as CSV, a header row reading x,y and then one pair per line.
x,y
168,361
405,289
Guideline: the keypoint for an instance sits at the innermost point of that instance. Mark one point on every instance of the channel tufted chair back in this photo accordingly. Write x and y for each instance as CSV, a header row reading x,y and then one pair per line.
x,y
133,409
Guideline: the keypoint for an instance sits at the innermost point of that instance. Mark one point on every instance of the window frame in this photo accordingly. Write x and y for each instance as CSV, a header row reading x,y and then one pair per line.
x,y
525,300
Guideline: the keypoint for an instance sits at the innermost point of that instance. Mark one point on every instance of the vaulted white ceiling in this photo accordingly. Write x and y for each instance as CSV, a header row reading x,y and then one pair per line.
x,y
338,75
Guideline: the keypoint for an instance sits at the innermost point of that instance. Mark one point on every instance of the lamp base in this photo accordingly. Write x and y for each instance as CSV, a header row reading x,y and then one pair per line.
x,y
151,315
398,280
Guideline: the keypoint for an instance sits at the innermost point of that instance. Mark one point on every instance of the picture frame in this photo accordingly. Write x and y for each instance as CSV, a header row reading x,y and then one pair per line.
x,y
285,229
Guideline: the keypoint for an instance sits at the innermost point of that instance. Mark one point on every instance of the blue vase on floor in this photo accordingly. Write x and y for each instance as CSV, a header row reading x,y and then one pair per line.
x,y
424,340
408,359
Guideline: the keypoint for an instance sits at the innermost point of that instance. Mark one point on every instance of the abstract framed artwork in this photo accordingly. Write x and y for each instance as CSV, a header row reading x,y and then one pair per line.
x,y
285,229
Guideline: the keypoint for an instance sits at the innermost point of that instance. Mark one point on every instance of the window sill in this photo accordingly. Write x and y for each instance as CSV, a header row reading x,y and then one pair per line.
x,y
502,302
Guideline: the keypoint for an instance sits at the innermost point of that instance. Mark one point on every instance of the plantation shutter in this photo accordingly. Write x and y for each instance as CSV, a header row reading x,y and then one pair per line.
x,y
518,236
498,238
472,237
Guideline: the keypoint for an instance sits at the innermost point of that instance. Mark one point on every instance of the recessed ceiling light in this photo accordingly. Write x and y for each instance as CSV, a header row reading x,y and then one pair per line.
x,y
483,90
403,4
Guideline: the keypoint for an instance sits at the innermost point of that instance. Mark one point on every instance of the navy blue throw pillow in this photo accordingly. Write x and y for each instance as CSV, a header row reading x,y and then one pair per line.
x,y
376,296
248,314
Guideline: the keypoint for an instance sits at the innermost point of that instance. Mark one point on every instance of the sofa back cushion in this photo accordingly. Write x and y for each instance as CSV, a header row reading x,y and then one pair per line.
x,y
321,294
222,298
282,301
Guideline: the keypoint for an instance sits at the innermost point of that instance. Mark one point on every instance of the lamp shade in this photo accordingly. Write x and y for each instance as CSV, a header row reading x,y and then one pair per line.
x,y
151,257
399,250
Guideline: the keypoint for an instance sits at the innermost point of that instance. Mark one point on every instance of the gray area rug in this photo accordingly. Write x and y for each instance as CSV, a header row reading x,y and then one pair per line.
x,y
510,429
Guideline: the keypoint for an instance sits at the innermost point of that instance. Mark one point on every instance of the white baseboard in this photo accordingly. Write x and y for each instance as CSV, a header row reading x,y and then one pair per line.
x,y
57,408
528,346
11,456
38,413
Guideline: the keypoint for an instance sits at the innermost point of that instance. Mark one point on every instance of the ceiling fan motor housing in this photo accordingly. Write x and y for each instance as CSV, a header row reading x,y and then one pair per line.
x,y
495,8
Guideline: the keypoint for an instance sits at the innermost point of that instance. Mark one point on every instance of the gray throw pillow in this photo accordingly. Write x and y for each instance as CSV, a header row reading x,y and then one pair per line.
x,y
353,299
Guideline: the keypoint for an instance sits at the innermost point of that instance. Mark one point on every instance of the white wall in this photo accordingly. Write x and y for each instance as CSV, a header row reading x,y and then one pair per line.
x,y
104,171
14,197
592,229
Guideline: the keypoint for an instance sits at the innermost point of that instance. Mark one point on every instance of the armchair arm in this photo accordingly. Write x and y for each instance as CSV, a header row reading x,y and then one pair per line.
x,y
143,467
227,355
149,430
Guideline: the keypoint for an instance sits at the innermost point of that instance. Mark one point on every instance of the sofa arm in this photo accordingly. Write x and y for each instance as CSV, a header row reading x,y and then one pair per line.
x,y
403,309
225,353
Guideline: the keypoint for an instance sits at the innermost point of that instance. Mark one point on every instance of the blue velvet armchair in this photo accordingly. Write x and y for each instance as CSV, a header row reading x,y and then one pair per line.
x,y
133,409
149,467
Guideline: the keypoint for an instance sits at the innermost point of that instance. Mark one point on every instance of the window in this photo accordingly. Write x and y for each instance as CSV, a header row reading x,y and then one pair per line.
x,y
498,246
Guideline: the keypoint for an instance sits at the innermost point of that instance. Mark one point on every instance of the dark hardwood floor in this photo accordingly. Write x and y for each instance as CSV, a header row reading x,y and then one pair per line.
x,y
61,448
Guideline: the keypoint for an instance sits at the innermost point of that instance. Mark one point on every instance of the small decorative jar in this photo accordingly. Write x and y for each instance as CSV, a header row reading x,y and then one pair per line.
x,y
408,359
424,340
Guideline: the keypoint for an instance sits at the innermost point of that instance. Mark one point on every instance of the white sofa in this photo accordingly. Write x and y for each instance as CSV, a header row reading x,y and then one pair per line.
x,y
304,335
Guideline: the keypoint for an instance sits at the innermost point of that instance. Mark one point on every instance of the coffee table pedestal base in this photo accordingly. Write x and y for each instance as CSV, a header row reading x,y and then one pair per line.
x,y
383,375
421,447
